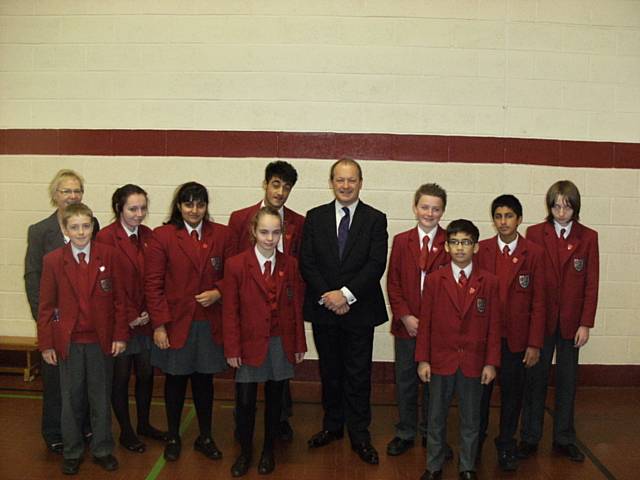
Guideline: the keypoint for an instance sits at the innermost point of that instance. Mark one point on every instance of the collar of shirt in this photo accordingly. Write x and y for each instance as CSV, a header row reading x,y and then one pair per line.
x,y
340,212
262,259
280,210
432,235
456,271
512,246
567,229
191,229
86,250
127,230
65,238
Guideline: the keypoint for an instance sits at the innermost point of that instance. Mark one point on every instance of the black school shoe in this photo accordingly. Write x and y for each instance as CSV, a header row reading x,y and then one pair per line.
x,y
207,447
71,466
525,450
507,461
267,463
398,446
241,466
107,462
570,451
172,450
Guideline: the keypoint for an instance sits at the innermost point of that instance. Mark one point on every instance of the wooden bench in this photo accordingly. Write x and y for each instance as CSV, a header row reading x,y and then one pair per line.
x,y
28,345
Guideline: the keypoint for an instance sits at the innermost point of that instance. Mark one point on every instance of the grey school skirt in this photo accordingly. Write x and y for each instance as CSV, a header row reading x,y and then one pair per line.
x,y
276,366
200,354
138,344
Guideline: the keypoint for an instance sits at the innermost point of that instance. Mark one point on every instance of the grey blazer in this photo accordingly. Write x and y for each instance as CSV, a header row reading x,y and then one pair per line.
x,y
42,238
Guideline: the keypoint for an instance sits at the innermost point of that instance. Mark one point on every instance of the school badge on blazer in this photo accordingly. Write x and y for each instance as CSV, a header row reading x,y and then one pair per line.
x,y
481,304
524,280
216,263
578,264
105,284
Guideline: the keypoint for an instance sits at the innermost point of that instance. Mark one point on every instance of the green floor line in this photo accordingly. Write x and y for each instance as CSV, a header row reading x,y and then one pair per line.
x,y
160,463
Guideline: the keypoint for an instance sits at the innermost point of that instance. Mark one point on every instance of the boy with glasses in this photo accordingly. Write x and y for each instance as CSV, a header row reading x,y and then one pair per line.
x,y
458,346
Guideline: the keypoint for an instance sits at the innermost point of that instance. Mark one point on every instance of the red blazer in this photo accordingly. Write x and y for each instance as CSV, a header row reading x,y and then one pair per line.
x,y
403,276
133,268
571,278
59,306
246,311
240,220
175,274
524,315
452,337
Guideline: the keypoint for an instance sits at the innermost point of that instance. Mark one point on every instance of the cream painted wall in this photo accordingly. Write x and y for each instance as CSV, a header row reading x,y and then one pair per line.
x,y
524,68
611,204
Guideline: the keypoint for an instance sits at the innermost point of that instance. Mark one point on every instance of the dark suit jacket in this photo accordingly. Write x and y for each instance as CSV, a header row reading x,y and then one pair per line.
x,y
524,312
133,267
403,277
363,264
60,308
240,220
175,273
452,336
246,311
571,277
42,238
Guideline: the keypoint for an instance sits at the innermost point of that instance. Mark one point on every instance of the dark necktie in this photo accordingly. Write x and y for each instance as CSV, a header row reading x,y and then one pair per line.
x,y
134,240
343,231
267,271
505,252
462,279
82,262
424,253
562,232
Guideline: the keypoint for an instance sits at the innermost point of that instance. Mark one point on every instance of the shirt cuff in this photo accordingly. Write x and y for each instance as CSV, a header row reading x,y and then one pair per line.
x,y
351,299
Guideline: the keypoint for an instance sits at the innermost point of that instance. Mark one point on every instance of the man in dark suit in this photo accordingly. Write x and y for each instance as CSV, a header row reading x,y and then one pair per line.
x,y
65,189
344,254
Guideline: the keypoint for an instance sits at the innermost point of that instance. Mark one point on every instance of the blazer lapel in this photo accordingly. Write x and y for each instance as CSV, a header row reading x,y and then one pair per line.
x,y
451,287
289,232
437,247
329,214
354,229
206,244
70,269
95,263
551,244
279,272
471,292
414,246
127,246
573,241
255,271
185,242
517,259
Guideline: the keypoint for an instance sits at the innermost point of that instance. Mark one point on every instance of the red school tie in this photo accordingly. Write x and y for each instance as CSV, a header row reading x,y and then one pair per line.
x,y
424,253
195,238
505,251
267,271
462,279
81,261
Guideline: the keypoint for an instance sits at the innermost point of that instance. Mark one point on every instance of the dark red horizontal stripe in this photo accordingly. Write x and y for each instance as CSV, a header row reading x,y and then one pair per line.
x,y
327,145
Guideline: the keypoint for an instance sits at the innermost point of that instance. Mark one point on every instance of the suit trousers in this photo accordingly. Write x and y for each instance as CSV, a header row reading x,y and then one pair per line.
x,y
407,391
441,390
536,392
86,373
344,357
